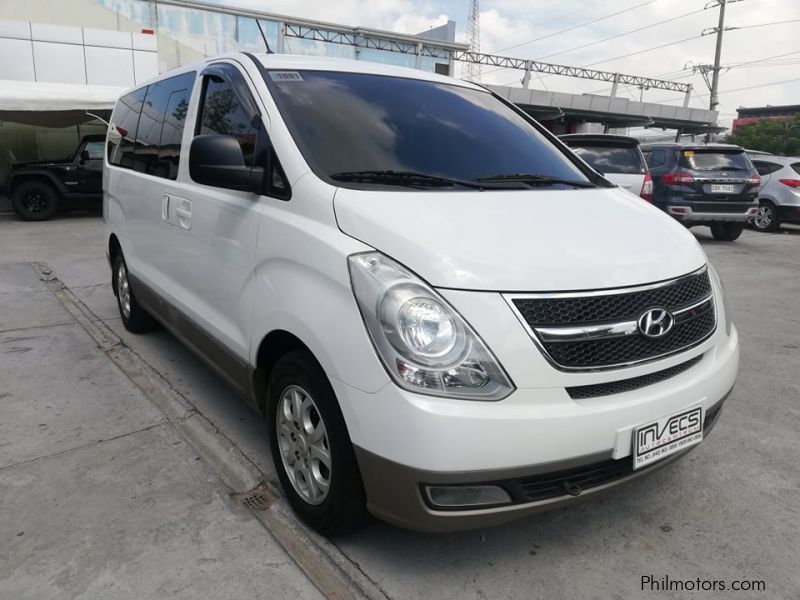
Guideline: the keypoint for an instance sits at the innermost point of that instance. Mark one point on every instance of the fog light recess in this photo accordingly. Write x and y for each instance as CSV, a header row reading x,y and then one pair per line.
x,y
466,496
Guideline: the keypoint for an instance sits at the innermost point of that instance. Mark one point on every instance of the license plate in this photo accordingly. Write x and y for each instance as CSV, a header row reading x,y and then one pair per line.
x,y
718,188
668,435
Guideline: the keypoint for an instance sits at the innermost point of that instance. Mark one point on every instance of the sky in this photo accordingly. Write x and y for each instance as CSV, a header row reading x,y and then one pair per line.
x,y
755,56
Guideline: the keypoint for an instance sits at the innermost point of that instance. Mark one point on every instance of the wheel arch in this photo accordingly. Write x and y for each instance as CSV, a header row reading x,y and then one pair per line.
x,y
271,349
17,179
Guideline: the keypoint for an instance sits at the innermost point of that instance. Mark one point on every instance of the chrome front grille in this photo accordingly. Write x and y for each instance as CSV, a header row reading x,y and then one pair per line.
x,y
602,329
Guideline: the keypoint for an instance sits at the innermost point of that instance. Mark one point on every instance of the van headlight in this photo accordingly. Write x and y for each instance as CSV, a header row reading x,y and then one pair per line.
x,y
721,295
425,345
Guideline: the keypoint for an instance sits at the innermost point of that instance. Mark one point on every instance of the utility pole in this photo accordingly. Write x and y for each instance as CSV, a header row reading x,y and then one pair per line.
x,y
714,102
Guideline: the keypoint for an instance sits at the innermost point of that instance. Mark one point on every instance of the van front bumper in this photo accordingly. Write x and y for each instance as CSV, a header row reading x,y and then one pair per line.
x,y
405,442
398,494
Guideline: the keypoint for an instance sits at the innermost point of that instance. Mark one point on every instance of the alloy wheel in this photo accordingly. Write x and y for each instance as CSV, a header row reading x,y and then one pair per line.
x,y
303,443
123,290
764,217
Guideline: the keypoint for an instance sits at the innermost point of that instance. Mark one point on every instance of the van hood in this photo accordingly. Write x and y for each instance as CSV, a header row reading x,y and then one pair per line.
x,y
522,241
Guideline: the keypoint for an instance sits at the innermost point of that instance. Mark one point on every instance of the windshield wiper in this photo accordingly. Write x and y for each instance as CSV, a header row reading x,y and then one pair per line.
x,y
535,179
412,179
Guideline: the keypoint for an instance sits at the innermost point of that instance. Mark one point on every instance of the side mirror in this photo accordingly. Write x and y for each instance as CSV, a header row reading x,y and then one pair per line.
x,y
85,155
217,160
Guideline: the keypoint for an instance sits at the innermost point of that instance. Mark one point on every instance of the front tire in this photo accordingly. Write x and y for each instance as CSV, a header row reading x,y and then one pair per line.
x,y
134,317
34,201
726,232
311,448
766,219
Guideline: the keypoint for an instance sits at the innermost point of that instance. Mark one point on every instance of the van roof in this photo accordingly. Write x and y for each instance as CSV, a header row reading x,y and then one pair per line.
x,y
296,62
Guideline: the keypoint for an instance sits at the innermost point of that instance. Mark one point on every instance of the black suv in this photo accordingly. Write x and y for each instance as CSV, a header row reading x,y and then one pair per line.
x,y
38,189
714,185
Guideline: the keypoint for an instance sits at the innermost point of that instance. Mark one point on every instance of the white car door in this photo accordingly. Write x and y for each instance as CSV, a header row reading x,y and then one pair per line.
x,y
217,231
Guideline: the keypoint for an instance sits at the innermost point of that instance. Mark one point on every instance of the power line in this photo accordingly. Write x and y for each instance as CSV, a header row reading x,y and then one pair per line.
x,y
766,24
619,35
645,50
597,20
741,89
582,9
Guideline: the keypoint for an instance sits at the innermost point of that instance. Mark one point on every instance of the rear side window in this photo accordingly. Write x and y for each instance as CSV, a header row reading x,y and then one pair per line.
x,y
226,112
148,127
715,160
158,140
656,158
765,168
796,167
125,122
608,158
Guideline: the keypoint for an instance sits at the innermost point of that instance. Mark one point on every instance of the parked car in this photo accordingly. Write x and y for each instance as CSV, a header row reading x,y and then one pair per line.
x,y
616,157
448,319
714,185
779,197
38,189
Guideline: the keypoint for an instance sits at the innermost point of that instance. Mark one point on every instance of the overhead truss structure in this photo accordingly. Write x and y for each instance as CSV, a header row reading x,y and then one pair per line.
x,y
447,52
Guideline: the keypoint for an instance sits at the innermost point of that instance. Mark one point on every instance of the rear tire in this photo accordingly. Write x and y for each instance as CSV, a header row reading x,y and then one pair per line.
x,y
134,317
34,200
766,220
726,232
311,448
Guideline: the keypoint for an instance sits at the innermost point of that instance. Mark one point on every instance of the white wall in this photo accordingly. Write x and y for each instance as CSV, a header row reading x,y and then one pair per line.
x,y
65,54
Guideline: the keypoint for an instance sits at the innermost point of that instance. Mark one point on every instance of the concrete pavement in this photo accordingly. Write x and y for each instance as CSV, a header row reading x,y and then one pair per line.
x,y
729,511
101,498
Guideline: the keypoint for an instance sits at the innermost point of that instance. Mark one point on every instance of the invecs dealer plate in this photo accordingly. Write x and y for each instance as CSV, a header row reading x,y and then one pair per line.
x,y
668,435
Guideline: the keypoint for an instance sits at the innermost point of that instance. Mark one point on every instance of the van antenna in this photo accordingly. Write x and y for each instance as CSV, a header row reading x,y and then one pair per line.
x,y
266,43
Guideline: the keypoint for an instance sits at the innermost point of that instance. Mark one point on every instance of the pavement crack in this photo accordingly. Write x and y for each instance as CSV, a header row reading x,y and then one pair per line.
x,y
83,446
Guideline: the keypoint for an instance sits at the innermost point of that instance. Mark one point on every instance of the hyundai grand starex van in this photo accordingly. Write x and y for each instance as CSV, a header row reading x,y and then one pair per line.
x,y
447,318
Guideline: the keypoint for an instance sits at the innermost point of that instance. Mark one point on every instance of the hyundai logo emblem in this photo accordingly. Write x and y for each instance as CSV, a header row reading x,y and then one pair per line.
x,y
656,322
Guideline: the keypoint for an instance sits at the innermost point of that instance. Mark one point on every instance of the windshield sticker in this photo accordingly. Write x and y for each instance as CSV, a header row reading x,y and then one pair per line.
x,y
285,76
688,153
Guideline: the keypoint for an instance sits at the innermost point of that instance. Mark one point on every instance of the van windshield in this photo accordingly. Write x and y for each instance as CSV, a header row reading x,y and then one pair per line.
x,y
354,129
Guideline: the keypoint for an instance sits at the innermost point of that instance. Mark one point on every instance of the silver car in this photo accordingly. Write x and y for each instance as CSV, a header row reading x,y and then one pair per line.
x,y
779,198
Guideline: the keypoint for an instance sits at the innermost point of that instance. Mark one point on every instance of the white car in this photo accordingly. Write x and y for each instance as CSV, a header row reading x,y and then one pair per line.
x,y
446,317
616,157
779,196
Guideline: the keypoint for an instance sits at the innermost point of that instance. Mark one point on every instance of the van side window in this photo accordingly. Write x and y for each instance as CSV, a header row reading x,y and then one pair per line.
x,y
224,112
125,120
158,139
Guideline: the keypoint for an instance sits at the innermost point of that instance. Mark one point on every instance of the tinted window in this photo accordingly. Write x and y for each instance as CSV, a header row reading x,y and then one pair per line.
x,y
656,158
715,160
796,167
612,159
125,121
765,168
351,122
95,150
223,111
164,109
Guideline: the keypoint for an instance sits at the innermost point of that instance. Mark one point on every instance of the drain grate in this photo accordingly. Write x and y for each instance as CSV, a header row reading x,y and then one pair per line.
x,y
259,498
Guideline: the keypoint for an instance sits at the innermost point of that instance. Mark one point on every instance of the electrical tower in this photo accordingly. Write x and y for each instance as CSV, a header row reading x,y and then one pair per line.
x,y
472,71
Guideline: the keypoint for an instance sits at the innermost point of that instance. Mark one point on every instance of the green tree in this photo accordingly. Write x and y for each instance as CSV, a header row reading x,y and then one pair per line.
x,y
770,135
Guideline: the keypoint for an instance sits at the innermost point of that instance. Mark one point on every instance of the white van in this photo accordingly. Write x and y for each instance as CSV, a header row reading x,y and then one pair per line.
x,y
447,318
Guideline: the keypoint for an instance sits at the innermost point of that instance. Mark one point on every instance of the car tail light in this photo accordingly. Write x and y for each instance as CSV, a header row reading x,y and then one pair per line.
x,y
647,188
792,183
678,179
755,181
